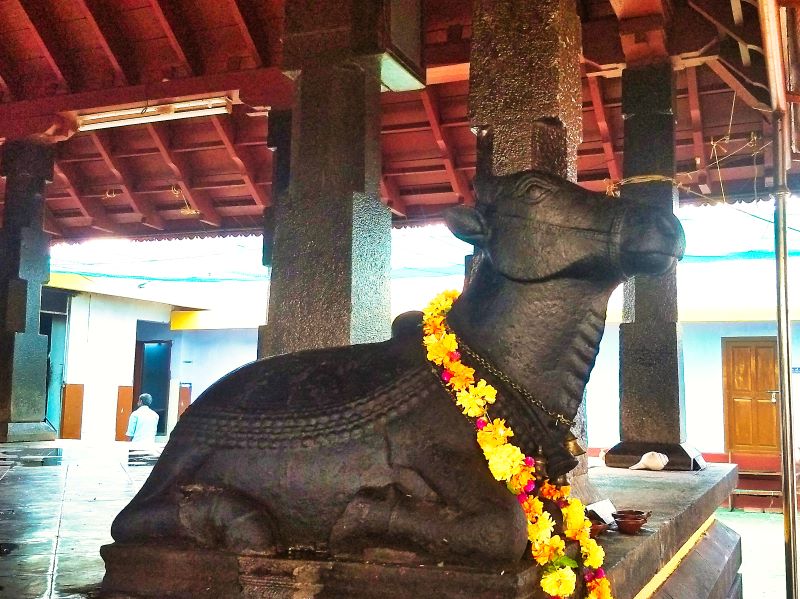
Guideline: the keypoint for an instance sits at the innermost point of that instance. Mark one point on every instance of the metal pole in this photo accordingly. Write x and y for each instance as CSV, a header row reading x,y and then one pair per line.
x,y
770,20
784,360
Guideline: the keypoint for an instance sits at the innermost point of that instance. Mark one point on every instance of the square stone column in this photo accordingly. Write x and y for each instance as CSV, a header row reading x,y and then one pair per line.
x,y
652,412
525,89
332,237
525,83
24,268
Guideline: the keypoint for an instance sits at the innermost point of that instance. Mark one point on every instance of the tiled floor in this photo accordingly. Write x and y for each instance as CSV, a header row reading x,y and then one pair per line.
x,y
56,508
57,502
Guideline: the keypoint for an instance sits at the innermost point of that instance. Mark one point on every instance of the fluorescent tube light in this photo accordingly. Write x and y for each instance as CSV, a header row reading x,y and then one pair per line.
x,y
155,113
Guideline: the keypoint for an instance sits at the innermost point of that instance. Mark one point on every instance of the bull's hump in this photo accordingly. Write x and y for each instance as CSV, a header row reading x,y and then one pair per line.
x,y
310,398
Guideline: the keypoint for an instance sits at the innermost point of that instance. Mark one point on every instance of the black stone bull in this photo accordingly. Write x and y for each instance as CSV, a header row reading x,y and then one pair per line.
x,y
347,449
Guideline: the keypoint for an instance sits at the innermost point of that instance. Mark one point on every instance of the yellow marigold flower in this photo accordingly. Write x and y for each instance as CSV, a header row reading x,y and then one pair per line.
x,y
463,376
495,433
471,404
574,515
592,553
546,551
439,348
560,582
504,461
540,528
484,391
533,507
599,588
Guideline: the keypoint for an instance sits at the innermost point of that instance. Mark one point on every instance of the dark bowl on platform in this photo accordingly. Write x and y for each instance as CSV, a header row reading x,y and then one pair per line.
x,y
630,526
597,529
628,514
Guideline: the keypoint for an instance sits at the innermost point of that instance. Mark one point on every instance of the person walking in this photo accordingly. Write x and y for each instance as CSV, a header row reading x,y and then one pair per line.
x,y
143,422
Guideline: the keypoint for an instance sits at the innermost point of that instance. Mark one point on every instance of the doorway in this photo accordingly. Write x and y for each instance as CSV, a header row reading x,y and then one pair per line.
x,y
750,383
53,325
151,374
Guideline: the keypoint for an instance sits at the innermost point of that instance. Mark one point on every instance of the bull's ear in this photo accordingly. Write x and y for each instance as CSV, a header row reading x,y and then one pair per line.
x,y
467,224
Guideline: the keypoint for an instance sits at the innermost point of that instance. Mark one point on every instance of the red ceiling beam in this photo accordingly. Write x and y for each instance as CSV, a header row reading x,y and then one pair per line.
x,y
8,76
457,179
390,194
225,131
47,36
111,39
245,14
697,129
177,165
606,137
180,37
256,87
149,215
90,207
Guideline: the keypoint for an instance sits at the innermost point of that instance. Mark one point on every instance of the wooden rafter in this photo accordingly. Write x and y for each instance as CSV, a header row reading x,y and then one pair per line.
x,y
47,38
390,194
50,224
457,179
741,90
180,38
111,40
176,164
245,14
697,129
90,207
150,217
606,136
224,129
8,75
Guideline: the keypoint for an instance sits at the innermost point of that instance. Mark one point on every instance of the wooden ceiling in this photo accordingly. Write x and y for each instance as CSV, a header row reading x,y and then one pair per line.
x,y
216,173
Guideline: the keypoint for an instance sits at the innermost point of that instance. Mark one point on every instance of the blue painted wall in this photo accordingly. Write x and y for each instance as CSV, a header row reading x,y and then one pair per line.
x,y
702,363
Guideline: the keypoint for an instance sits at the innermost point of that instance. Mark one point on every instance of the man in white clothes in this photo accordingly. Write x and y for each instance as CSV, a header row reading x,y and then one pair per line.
x,y
143,421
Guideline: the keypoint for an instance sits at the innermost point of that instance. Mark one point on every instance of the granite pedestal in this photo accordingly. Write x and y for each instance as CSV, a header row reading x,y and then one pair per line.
x,y
681,503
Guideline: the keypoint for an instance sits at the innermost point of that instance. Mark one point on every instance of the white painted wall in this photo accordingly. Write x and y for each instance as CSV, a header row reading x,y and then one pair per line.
x,y
101,347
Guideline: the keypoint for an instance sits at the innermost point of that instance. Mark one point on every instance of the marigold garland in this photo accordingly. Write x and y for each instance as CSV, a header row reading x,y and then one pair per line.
x,y
510,465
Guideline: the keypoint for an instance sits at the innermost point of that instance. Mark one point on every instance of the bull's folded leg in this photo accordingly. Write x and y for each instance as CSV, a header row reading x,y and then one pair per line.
x,y
218,518
153,520
388,518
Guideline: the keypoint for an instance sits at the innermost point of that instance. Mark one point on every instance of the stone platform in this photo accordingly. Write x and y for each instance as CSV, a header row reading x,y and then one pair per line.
x,y
681,502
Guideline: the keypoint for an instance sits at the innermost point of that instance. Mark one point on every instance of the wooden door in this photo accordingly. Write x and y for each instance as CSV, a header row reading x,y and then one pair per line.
x,y
124,409
72,411
750,372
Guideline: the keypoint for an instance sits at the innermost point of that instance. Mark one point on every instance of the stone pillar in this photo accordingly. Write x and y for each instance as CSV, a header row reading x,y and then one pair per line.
x,y
332,237
525,83
24,268
525,88
652,413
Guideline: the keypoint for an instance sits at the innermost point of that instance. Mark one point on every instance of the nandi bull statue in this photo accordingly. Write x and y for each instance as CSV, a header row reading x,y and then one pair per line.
x,y
340,451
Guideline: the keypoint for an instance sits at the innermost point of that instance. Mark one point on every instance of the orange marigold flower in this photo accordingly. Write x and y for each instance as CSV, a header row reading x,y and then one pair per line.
x,y
463,376
547,551
434,326
599,588
532,507
518,482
